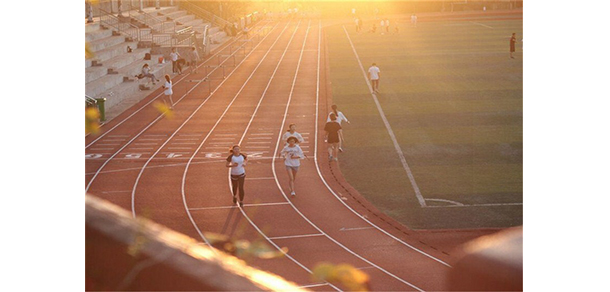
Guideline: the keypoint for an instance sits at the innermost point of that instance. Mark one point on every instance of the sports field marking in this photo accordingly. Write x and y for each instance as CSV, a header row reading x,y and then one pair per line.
x,y
258,178
296,236
279,142
477,205
214,127
335,194
401,155
313,285
473,22
233,206
229,175
355,228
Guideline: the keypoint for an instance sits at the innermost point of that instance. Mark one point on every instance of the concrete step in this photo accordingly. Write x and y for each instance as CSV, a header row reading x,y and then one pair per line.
x,y
186,19
175,14
93,73
110,52
123,60
162,11
135,68
98,45
218,37
91,27
96,87
126,91
97,34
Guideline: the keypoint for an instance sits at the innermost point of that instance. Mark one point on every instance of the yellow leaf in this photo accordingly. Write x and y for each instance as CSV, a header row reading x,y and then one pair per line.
x,y
164,109
88,52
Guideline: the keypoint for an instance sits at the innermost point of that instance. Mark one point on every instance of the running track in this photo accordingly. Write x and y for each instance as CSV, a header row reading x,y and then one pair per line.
x,y
173,170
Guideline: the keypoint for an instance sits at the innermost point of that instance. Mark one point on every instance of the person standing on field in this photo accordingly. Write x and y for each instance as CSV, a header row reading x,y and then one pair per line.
x,y
292,154
382,28
237,161
331,136
374,74
387,26
513,41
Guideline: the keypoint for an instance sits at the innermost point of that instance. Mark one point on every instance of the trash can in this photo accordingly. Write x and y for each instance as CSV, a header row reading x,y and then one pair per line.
x,y
100,106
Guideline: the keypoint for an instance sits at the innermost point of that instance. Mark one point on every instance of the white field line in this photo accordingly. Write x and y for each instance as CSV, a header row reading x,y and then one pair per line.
x,y
244,134
155,98
335,194
401,155
483,25
277,181
242,211
153,122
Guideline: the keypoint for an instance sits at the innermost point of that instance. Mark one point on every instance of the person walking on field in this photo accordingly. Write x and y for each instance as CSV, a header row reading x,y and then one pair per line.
x,y
292,154
413,20
340,118
513,40
292,132
387,26
237,161
167,94
331,136
374,74
382,28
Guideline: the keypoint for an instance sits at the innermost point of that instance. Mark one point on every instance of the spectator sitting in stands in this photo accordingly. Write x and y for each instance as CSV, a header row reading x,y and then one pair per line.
x,y
146,73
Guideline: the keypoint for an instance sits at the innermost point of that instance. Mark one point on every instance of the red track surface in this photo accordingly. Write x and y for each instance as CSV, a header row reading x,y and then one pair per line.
x,y
173,170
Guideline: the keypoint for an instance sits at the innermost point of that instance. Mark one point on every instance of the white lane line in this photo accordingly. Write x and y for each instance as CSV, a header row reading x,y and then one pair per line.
x,y
244,134
233,206
478,205
401,155
183,190
473,22
335,194
296,236
277,181
356,228
313,285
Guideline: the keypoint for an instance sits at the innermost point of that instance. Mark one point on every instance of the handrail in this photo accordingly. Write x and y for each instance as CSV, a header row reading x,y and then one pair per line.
x,y
202,13
150,20
123,27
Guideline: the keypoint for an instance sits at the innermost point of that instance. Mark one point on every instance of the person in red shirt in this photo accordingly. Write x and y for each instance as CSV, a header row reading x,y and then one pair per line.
x,y
513,40
332,129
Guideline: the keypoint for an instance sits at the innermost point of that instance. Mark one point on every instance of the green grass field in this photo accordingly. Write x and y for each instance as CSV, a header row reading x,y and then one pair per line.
x,y
454,100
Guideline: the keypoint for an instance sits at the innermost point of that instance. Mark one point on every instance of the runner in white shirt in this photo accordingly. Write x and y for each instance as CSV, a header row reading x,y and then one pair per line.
x,y
292,133
382,24
340,118
374,74
292,154
168,92
237,161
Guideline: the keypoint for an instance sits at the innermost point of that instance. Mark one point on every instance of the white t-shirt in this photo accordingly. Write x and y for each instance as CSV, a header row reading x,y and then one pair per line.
x,y
168,88
340,117
387,23
239,160
173,56
382,23
296,135
292,155
374,71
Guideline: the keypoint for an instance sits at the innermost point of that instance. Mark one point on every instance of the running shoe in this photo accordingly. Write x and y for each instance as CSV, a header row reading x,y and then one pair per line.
x,y
293,194
241,204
